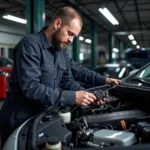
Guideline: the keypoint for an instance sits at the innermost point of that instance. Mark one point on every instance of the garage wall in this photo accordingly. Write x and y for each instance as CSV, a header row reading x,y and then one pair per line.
x,y
11,33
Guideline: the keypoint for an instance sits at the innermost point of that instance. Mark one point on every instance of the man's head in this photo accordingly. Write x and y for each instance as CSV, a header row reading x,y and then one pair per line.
x,y
66,24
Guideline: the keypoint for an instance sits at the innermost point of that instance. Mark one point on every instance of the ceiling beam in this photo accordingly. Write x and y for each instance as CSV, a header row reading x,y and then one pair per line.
x,y
141,3
125,3
14,9
94,2
138,18
141,41
87,13
132,10
132,32
121,13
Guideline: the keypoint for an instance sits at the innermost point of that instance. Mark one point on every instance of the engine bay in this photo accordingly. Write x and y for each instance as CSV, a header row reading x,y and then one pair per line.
x,y
122,121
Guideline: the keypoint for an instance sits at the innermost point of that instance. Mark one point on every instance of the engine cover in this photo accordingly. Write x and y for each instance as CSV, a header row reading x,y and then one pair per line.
x,y
114,138
114,118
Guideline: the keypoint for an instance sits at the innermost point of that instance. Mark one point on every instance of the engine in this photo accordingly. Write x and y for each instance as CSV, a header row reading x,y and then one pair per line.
x,y
119,122
122,128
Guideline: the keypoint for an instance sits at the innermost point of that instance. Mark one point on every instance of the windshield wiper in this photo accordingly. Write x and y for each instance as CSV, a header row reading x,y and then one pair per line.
x,y
141,81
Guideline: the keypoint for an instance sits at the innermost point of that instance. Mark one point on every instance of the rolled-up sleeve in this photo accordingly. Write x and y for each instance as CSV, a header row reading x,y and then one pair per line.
x,y
29,75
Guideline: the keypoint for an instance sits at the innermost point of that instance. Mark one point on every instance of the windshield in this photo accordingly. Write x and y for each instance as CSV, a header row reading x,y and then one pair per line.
x,y
141,78
114,72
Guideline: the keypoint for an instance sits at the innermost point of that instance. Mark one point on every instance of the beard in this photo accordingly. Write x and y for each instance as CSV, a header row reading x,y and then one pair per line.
x,y
58,45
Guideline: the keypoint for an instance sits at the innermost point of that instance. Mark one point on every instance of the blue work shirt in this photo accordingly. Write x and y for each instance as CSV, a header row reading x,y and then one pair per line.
x,y
85,75
37,73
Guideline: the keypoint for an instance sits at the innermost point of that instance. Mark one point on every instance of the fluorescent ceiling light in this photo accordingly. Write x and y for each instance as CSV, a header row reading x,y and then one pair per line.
x,y
16,19
81,56
109,16
115,50
113,55
88,41
81,38
122,72
117,69
131,37
138,46
134,42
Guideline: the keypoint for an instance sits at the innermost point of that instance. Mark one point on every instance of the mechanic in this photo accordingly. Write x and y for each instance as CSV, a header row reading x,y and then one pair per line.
x,y
40,61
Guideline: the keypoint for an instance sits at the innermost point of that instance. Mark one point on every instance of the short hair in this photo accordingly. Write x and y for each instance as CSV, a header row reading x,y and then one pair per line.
x,y
67,14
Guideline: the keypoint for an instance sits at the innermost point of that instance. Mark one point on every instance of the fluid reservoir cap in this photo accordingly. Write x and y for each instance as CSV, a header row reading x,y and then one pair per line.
x,y
52,140
63,111
47,118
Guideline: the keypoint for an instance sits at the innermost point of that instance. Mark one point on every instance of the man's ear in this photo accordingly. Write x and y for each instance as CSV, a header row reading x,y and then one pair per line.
x,y
57,23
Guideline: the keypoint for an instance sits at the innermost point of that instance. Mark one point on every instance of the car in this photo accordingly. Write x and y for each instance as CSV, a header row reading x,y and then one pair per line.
x,y
6,64
5,70
123,122
111,70
138,57
114,70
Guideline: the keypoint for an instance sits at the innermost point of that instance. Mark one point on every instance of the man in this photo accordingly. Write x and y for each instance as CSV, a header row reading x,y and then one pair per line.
x,y
40,62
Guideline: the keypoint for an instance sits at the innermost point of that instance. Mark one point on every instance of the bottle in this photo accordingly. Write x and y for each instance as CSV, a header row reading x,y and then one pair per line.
x,y
53,143
65,116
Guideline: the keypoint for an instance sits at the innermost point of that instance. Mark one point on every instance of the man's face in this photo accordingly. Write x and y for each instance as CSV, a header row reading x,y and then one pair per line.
x,y
64,35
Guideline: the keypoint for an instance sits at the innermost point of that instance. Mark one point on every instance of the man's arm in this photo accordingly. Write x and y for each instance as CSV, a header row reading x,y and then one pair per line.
x,y
29,74
85,75
68,82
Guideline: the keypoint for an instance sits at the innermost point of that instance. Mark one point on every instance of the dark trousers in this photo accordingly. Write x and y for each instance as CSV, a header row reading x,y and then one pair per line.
x,y
10,119
7,122
16,110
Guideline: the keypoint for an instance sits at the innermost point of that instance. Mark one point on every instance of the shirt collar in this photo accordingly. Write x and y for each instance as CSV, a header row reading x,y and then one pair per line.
x,y
45,41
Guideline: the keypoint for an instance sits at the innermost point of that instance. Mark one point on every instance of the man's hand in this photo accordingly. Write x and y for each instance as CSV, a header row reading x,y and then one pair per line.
x,y
100,102
112,80
101,97
84,98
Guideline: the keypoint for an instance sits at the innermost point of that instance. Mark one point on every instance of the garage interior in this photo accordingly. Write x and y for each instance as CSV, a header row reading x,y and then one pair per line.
x,y
132,17
111,28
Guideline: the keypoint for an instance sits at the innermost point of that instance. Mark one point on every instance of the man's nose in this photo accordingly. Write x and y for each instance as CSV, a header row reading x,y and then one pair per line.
x,y
70,39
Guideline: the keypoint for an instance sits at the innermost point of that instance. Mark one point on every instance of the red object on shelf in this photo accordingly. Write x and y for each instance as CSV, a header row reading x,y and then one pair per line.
x,y
2,85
